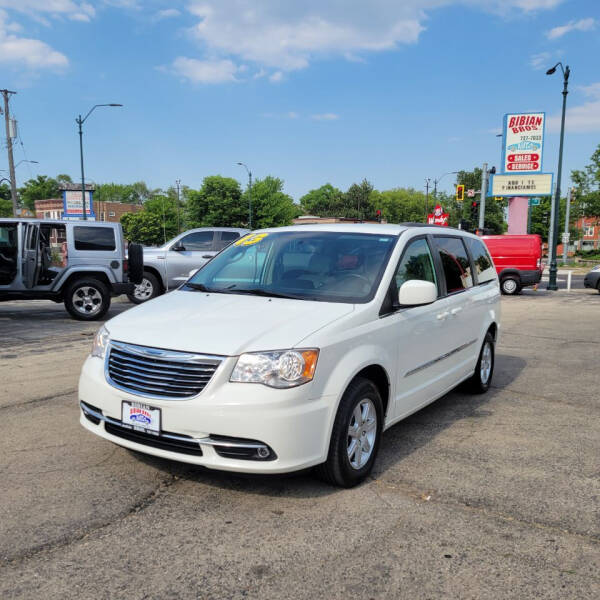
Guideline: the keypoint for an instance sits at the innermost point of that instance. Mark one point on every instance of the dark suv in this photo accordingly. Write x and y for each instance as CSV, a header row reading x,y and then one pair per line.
x,y
80,263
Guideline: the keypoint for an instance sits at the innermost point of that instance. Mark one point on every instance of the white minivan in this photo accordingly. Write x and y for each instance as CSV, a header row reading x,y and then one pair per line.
x,y
297,347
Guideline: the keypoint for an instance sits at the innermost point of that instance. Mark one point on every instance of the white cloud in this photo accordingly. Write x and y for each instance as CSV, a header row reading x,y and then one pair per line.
x,y
204,71
39,9
325,117
581,25
167,13
279,37
584,118
539,61
27,52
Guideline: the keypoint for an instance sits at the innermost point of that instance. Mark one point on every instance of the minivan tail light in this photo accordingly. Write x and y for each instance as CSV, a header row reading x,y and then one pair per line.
x,y
125,266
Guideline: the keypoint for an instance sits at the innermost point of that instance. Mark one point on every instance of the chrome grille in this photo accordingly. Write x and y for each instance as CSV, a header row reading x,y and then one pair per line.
x,y
157,373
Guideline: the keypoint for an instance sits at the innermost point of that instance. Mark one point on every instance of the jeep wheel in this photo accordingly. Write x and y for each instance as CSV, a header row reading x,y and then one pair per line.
x,y
87,299
146,290
510,286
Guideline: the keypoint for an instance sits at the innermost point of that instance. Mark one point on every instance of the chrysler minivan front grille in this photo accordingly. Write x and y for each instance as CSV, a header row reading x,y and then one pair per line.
x,y
157,373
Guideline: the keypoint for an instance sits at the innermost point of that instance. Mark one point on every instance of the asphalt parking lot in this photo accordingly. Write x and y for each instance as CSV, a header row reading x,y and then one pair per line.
x,y
493,496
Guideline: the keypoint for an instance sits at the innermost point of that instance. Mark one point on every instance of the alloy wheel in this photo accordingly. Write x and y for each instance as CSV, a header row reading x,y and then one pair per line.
x,y
87,300
362,432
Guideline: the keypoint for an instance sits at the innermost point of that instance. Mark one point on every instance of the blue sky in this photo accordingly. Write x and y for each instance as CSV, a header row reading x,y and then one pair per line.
x,y
313,92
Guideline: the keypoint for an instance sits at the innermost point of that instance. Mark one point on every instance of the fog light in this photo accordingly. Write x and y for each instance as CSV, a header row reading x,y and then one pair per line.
x,y
262,452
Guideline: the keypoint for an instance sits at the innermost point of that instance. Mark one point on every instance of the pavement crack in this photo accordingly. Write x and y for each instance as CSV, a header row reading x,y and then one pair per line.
x,y
69,539
38,400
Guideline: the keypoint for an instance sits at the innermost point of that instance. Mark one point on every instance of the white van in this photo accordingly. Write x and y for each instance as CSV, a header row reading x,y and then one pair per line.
x,y
296,347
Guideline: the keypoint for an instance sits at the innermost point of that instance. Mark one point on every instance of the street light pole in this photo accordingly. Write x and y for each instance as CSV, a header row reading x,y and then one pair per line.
x,y
178,183
436,181
552,285
249,193
427,182
80,121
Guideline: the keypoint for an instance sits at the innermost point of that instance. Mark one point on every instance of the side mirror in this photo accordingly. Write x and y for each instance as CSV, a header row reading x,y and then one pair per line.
x,y
417,292
178,247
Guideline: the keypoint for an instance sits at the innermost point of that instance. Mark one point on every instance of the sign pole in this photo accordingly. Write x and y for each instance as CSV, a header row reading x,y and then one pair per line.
x,y
484,183
566,234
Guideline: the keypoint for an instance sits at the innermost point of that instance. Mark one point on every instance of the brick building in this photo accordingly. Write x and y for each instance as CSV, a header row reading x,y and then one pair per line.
x,y
52,208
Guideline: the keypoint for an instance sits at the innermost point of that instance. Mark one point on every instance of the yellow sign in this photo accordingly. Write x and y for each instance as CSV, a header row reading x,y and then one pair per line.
x,y
253,238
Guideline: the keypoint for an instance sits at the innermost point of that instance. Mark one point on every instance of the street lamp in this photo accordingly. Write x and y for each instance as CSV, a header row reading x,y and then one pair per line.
x,y
241,164
436,181
80,122
552,285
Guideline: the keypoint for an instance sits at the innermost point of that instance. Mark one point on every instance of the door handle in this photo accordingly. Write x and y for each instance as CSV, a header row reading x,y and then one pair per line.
x,y
207,256
455,311
443,315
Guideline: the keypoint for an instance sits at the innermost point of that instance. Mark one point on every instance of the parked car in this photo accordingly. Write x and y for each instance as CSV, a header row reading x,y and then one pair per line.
x,y
167,267
592,279
80,263
296,347
518,260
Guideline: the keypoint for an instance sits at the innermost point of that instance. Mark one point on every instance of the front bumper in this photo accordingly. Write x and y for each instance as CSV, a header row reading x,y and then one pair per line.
x,y
291,423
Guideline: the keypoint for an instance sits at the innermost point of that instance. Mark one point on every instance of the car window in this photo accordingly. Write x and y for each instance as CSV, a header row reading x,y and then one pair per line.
x,y
416,263
455,262
226,238
198,240
484,267
94,238
312,265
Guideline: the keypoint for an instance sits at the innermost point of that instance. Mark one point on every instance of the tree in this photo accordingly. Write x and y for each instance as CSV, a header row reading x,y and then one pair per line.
x,y
326,201
6,208
63,178
358,203
399,205
40,188
218,203
143,227
271,207
587,188
164,207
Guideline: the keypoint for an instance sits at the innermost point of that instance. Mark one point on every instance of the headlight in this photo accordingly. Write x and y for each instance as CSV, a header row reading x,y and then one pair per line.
x,y
281,369
100,342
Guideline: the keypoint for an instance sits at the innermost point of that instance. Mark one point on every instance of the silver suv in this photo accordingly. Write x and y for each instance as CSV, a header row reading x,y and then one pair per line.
x,y
80,263
169,266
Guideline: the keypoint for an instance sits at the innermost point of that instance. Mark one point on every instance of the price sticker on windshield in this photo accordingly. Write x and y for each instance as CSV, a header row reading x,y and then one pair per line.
x,y
251,239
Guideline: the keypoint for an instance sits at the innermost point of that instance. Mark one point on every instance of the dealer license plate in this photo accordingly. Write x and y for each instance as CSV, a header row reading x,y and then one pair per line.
x,y
140,417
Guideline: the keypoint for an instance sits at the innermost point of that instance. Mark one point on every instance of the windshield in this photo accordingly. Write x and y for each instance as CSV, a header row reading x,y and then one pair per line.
x,y
307,265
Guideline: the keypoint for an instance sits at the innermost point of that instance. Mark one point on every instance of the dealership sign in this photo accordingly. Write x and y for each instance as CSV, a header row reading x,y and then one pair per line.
x,y
73,205
523,142
519,184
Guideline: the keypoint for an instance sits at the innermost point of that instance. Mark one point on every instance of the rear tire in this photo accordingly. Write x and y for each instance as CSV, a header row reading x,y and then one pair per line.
x,y
480,381
147,289
355,436
510,286
87,299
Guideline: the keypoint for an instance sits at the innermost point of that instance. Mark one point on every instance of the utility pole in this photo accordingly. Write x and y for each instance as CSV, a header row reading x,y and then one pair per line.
x,y
566,243
178,184
11,163
427,182
484,185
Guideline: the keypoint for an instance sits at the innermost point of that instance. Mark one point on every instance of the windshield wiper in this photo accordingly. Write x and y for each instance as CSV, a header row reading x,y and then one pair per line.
x,y
259,292
200,287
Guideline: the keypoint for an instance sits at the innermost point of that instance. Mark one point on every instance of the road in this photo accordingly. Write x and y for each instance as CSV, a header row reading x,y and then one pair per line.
x,y
483,497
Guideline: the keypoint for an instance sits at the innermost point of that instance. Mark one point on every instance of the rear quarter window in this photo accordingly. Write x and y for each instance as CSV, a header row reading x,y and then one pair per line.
x,y
101,239
484,267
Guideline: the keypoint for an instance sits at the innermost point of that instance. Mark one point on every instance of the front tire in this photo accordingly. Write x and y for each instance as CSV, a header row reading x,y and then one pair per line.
x,y
87,299
510,286
147,289
355,436
480,381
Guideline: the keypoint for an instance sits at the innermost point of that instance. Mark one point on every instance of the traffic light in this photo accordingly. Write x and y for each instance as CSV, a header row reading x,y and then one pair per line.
x,y
460,193
474,211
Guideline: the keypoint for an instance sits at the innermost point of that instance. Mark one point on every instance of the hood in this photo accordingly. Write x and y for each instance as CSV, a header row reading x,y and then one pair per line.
x,y
224,324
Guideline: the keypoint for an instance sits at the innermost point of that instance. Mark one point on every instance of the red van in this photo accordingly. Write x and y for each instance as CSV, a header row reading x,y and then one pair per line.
x,y
518,260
